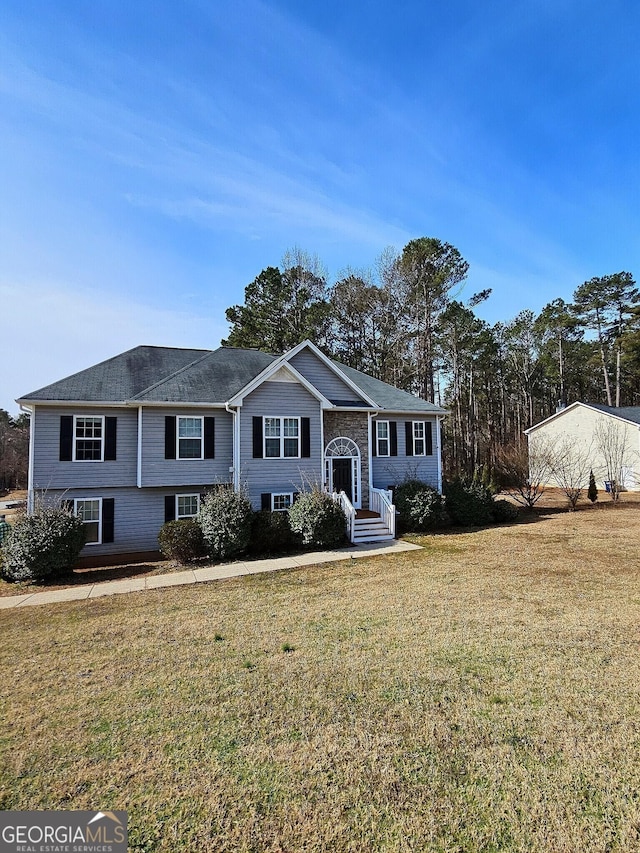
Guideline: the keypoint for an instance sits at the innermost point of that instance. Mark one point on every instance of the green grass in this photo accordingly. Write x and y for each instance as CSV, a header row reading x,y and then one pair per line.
x,y
480,695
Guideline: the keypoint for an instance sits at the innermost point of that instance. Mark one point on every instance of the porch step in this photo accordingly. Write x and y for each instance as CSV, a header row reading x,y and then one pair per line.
x,y
371,529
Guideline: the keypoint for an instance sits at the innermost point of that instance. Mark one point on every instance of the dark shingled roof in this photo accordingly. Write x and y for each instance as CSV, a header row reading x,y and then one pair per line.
x,y
629,413
386,396
119,378
213,379
165,374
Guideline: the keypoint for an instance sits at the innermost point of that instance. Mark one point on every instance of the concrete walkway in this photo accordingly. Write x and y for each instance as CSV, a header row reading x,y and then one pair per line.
x,y
208,573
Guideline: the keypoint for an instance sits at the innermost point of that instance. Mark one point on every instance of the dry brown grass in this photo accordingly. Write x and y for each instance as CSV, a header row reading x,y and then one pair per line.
x,y
480,695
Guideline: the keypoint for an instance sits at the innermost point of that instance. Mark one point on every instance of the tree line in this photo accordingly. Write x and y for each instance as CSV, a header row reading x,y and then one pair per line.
x,y
406,321
14,451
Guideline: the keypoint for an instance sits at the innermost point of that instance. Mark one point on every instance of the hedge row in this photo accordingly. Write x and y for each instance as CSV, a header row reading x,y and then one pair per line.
x,y
228,527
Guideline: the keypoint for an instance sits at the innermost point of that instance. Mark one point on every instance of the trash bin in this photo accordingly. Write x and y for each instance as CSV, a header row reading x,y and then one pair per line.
x,y
607,486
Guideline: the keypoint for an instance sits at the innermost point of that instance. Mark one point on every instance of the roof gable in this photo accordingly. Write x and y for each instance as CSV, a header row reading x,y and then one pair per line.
x,y
625,413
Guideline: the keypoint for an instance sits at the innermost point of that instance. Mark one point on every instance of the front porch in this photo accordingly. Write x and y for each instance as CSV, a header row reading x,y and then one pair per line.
x,y
369,525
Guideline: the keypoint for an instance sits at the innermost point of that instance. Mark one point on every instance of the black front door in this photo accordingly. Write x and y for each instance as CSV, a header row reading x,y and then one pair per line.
x,y
342,476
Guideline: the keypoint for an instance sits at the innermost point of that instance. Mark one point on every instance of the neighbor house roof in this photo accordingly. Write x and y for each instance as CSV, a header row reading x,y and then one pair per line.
x,y
625,413
148,374
628,413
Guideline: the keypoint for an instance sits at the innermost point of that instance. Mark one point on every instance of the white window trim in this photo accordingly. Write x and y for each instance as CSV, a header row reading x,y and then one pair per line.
x,y
281,437
387,439
187,495
415,437
75,512
275,495
75,438
189,458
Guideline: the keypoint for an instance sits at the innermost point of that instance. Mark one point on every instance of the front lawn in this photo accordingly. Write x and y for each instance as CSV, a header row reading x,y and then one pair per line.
x,y
479,695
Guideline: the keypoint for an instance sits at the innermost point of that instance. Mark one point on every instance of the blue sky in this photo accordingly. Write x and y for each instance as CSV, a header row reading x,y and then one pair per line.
x,y
155,157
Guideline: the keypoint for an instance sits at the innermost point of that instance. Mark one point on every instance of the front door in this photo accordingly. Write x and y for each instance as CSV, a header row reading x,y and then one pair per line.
x,y
342,476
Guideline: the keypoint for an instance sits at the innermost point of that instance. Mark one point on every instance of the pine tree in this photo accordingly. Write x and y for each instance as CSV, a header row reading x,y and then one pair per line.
x,y
592,491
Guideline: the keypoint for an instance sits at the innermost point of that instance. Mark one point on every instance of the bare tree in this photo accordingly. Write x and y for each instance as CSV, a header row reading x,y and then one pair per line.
x,y
612,441
570,467
524,474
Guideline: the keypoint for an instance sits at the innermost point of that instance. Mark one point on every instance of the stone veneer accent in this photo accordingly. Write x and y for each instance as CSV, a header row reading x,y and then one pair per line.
x,y
351,425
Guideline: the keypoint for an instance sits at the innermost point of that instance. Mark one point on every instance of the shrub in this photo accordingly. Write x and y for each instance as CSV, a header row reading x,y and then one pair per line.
x,y
225,519
271,533
182,540
592,491
420,506
469,504
504,511
318,520
42,545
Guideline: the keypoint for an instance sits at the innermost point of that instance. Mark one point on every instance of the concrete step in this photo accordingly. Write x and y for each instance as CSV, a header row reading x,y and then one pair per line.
x,y
372,537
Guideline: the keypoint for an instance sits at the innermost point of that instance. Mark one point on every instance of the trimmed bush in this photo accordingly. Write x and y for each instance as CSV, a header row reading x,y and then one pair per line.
x,y
271,533
504,511
420,506
469,504
43,545
182,540
225,518
318,520
592,491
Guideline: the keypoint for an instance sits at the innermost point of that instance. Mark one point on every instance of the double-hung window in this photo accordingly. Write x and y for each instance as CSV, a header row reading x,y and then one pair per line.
x,y
281,438
382,438
281,502
88,438
187,506
89,510
419,446
190,434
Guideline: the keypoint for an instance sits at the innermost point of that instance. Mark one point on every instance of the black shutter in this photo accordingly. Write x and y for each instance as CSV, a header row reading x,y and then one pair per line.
x,y
428,436
374,438
169,508
408,431
170,437
68,505
265,499
257,437
305,451
66,438
209,438
295,497
110,441
107,518
393,438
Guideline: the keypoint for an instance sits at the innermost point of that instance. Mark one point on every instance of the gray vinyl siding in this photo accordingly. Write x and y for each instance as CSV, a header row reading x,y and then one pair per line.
x,y
279,399
50,473
322,378
390,470
138,516
158,471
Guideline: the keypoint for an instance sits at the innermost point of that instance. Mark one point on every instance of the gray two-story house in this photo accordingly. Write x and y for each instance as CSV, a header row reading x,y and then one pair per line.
x,y
138,439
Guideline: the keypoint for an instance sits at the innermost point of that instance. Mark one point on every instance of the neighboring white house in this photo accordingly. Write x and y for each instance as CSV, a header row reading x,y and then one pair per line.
x,y
605,436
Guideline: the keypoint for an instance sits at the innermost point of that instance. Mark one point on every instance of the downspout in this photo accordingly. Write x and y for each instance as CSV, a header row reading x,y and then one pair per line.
x,y
371,416
323,461
139,468
235,413
439,419
32,433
